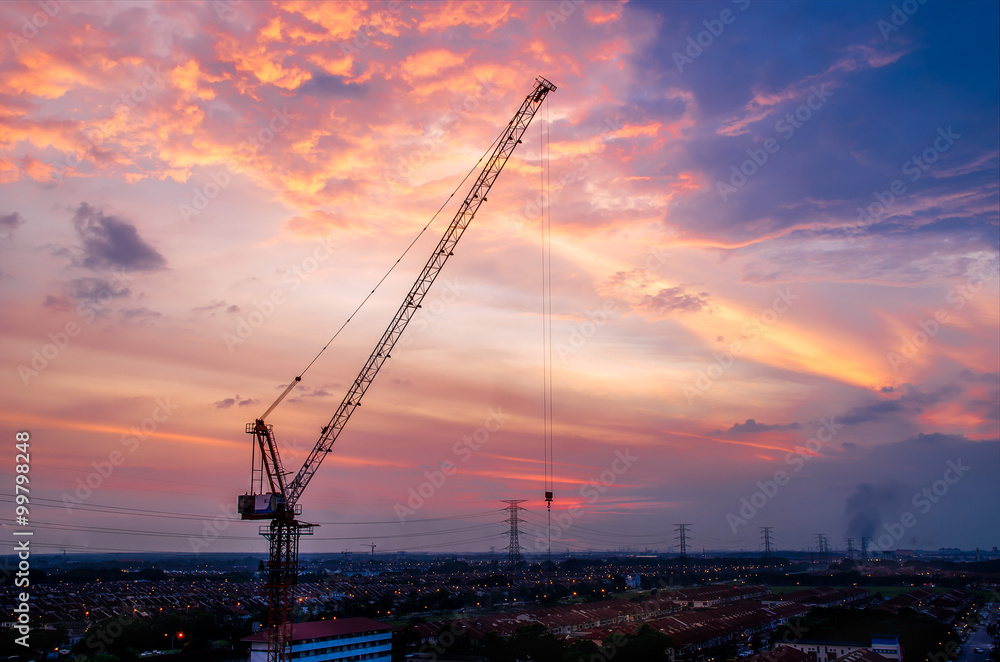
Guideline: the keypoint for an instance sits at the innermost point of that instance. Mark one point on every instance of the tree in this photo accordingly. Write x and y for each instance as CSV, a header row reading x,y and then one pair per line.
x,y
534,642
646,645
580,649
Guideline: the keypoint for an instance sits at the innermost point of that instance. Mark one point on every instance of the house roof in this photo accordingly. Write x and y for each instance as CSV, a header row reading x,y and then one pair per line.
x,y
862,656
781,654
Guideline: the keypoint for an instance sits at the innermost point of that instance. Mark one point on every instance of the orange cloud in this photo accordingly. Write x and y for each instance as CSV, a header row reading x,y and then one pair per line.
x,y
598,15
275,66
633,130
429,63
337,21
483,14
316,223
188,77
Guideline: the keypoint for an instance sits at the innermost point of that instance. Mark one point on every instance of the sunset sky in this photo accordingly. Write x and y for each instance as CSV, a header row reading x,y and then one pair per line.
x,y
774,270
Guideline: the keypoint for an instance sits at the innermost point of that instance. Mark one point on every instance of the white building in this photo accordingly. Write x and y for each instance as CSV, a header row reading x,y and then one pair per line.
x,y
339,640
826,651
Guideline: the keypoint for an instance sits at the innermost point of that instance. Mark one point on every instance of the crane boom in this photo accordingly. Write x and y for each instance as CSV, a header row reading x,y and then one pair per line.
x,y
411,302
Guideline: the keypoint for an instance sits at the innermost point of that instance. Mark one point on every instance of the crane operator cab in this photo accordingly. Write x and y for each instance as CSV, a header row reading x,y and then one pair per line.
x,y
260,506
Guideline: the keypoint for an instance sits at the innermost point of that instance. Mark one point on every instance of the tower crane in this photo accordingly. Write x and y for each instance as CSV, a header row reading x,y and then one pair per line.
x,y
272,495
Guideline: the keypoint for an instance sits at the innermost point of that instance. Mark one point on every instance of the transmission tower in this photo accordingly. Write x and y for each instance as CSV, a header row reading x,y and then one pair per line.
x,y
765,532
513,518
822,545
682,537
850,548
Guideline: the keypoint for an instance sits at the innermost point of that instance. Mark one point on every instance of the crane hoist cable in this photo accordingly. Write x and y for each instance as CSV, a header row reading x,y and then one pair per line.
x,y
545,223
395,264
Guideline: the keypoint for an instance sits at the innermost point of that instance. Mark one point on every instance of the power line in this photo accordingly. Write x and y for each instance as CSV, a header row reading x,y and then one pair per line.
x,y
55,526
122,510
612,534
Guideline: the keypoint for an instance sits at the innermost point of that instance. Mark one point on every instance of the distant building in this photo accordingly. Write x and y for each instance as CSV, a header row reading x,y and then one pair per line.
x,y
822,596
827,651
785,653
339,640
703,597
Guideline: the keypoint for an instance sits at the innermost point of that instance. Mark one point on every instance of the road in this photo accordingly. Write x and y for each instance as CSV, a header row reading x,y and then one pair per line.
x,y
980,639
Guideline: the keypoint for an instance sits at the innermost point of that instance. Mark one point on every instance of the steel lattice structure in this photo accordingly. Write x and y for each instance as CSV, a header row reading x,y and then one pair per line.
x,y
514,545
277,499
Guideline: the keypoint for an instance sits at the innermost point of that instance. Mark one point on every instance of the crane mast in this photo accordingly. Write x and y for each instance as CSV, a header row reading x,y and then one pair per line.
x,y
277,501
